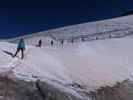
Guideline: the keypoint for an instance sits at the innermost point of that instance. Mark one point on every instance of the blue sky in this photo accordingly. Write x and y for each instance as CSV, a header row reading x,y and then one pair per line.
x,y
19,17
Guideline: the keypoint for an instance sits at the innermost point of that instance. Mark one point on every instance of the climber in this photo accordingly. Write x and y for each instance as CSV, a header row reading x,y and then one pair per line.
x,y
52,42
39,43
72,41
20,47
62,42
82,39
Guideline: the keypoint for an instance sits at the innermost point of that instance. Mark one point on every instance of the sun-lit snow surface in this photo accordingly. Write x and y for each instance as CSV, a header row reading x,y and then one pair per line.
x,y
110,26
92,64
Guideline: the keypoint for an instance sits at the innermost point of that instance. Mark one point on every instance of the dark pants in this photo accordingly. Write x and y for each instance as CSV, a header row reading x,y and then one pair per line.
x,y
22,52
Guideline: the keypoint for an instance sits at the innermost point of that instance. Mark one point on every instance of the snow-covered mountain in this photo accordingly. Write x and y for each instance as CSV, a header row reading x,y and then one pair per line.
x,y
116,27
91,64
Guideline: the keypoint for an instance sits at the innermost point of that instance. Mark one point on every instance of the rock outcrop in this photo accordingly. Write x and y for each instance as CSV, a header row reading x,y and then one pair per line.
x,y
16,89
120,91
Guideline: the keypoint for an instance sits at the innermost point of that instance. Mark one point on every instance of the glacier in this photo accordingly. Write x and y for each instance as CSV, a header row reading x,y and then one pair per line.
x,y
92,64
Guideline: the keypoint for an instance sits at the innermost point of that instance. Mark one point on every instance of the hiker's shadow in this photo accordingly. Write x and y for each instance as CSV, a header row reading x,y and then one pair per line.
x,y
7,52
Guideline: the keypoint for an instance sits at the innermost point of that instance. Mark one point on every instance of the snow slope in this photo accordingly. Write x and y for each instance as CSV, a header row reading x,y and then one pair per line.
x,y
110,26
91,64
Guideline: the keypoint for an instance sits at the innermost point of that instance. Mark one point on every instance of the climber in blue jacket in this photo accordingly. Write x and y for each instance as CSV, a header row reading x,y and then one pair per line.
x,y
20,47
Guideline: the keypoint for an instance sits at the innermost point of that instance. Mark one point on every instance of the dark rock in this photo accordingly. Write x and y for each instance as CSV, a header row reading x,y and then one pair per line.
x,y
16,89
53,93
120,91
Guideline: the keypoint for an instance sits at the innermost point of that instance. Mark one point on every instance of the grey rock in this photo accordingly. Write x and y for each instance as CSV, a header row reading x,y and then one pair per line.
x,y
16,89
120,91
